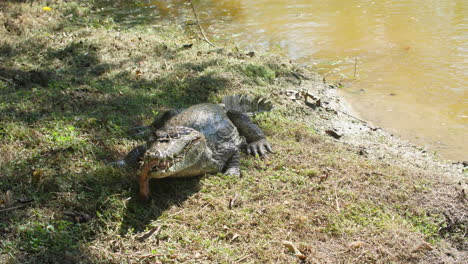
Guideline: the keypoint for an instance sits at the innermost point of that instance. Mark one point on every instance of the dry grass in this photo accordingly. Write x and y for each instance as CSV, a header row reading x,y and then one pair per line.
x,y
73,84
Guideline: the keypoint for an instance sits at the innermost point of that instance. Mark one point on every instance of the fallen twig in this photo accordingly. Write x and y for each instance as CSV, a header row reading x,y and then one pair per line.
x,y
13,257
7,80
347,114
236,236
155,230
13,208
79,217
336,201
242,258
135,255
199,25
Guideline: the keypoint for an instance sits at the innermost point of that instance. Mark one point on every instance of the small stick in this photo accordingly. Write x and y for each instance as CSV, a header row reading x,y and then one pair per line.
x,y
7,80
153,231
292,248
242,258
351,116
13,208
199,26
13,257
336,201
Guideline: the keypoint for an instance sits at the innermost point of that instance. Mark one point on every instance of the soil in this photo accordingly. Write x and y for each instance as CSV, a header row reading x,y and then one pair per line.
x,y
336,114
331,115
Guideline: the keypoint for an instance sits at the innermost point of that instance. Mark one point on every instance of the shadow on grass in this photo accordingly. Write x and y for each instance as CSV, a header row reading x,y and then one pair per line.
x,y
63,110
165,193
79,89
49,104
67,211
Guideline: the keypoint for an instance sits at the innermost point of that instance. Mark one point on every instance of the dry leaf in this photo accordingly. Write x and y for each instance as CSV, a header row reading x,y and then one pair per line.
x,y
334,133
355,244
292,248
424,246
236,236
232,201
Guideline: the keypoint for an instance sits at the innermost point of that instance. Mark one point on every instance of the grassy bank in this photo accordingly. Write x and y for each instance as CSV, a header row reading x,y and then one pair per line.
x,y
74,84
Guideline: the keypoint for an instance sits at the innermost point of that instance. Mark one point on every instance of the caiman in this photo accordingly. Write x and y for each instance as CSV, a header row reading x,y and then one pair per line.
x,y
198,140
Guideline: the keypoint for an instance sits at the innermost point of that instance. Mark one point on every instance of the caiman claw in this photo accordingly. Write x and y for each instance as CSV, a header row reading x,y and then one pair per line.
x,y
260,147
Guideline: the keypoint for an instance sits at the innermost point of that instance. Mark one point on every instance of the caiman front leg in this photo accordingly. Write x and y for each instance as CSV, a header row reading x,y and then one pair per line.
x,y
132,159
233,166
256,140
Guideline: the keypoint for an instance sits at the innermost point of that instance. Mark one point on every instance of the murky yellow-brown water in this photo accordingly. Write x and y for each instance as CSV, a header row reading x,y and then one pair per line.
x,y
411,56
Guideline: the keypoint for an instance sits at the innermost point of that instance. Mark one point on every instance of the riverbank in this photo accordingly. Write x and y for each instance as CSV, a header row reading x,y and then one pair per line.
x,y
73,86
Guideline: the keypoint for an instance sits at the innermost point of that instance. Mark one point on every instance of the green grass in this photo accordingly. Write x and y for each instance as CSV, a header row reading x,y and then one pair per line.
x,y
73,86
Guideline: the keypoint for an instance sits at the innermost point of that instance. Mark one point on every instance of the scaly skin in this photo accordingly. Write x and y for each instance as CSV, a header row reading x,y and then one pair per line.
x,y
257,144
198,140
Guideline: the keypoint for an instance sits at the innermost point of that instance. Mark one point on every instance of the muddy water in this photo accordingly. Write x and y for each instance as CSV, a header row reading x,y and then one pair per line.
x,y
404,63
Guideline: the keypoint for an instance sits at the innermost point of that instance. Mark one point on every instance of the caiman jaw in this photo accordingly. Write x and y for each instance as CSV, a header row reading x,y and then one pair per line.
x,y
157,165
169,147
168,153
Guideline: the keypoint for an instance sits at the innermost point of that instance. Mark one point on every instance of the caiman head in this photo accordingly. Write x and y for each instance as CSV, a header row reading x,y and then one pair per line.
x,y
173,152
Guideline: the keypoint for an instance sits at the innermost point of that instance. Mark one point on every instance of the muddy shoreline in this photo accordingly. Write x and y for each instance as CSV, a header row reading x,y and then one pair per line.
x,y
337,119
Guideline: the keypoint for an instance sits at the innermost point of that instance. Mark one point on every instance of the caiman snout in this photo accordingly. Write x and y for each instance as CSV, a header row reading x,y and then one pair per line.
x,y
172,143
169,151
